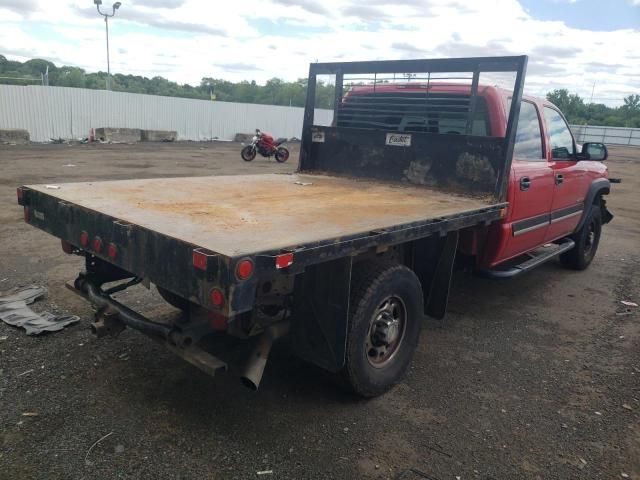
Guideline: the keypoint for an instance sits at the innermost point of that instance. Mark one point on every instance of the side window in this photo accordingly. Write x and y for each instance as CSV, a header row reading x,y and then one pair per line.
x,y
560,137
528,144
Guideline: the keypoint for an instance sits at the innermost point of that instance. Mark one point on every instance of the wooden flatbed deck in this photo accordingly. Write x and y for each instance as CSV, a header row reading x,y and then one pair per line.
x,y
245,214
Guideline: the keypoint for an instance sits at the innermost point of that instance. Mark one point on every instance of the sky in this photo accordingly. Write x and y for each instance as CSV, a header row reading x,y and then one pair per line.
x,y
573,44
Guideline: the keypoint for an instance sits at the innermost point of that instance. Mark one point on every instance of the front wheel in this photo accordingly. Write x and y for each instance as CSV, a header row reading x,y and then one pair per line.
x,y
248,153
384,326
282,155
586,239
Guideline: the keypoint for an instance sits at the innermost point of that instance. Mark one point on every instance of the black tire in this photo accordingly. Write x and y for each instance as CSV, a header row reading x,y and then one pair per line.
x,y
367,372
282,155
248,153
586,239
174,300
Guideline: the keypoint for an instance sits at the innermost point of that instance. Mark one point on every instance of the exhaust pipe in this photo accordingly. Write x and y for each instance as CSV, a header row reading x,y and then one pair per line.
x,y
258,360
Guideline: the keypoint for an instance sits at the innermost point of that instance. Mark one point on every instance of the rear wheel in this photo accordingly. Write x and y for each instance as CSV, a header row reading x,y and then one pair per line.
x,y
384,326
586,239
248,153
282,154
174,300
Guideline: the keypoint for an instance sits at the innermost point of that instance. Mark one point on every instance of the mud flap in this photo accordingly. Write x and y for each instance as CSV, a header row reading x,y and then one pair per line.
x,y
320,313
432,261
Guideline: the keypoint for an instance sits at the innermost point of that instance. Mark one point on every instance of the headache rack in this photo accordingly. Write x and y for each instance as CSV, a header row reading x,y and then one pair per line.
x,y
422,122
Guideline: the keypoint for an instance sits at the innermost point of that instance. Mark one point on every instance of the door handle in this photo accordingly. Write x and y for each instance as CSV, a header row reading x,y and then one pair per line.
x,y
559,179
525,183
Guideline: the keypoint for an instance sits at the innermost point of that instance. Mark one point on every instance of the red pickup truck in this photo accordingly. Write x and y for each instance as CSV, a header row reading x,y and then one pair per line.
x,y
552,187
348,254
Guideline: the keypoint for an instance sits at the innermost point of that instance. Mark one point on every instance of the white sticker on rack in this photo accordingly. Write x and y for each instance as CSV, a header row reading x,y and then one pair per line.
x,y
398,139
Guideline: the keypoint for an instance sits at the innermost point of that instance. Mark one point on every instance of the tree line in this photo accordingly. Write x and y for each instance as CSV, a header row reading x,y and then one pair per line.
x,y
275,91
579,112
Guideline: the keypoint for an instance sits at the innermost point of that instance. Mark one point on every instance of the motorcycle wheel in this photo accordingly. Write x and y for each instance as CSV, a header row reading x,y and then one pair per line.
x,y
282,155
248,153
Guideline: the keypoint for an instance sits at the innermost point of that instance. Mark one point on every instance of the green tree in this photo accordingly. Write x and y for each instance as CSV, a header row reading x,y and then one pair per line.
x,y
571,104
71,77
631,104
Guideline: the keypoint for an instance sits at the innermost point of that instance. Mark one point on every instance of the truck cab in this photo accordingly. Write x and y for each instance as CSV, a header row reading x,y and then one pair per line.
x,y
552,185
553,181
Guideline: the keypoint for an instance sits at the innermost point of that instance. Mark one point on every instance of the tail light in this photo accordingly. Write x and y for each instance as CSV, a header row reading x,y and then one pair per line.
x,y
112,251
27,214
199,260
217,297
203,259
97,244
244,269
285,260
20,193
84,239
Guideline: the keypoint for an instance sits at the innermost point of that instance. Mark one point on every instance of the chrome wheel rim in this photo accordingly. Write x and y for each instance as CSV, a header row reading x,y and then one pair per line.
x,y
386,331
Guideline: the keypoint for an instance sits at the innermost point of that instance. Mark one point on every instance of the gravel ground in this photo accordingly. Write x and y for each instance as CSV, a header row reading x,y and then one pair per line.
x,y
538,377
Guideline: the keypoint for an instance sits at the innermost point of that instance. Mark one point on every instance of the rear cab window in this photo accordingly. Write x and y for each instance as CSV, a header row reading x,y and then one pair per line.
x,y
413,111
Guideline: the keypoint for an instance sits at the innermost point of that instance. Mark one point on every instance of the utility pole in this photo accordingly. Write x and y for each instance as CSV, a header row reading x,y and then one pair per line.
x,y
106,16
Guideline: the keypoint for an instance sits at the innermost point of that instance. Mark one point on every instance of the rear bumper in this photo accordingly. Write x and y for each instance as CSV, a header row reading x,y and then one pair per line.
x,y
112,317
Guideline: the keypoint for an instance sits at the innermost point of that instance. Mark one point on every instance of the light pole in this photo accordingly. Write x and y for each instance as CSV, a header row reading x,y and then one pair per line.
x,y
106,16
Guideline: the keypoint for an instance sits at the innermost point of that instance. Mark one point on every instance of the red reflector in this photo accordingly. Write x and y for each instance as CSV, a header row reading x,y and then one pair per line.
x,y
244,269
217,297
285,260
97,244
27,214
84,239
199,260
66,247
112,251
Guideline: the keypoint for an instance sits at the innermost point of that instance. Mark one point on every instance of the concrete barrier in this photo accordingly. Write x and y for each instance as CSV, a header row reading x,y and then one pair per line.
x,y
159,135
124,135
17,136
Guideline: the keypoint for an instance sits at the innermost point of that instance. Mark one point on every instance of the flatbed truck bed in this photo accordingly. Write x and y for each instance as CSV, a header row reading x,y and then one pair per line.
x,y
248,214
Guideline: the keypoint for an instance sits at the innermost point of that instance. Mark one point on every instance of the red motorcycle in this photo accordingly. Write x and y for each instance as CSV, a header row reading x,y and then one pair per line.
x,y
265,145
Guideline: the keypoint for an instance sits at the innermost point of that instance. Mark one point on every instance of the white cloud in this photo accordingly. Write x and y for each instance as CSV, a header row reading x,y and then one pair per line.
x,y
185,40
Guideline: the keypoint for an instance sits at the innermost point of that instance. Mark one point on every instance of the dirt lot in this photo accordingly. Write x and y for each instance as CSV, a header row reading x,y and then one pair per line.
x,y
524,379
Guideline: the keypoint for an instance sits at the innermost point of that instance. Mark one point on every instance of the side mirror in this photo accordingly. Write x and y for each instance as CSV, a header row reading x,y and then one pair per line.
x,y
594,151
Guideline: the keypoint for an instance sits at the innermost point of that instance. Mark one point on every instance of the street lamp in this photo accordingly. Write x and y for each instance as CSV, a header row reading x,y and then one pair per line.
x,y
106,16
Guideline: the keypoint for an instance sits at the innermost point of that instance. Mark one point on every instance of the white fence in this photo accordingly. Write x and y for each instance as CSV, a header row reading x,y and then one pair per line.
x,y
69,113
608,135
